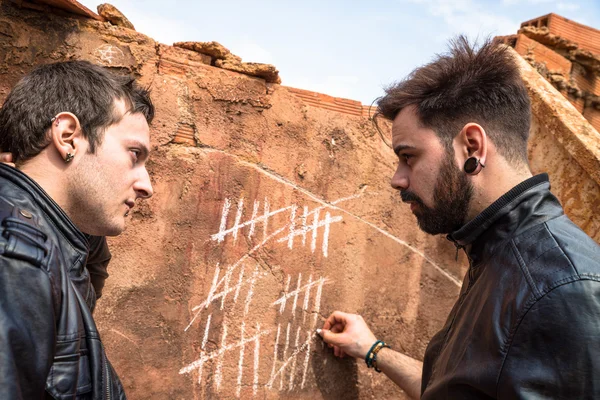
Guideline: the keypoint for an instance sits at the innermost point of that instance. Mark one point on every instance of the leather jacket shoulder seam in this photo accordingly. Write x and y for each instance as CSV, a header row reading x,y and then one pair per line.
x,y
561,249
525,271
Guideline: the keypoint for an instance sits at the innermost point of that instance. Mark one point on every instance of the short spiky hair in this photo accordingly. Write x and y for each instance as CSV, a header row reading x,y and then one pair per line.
x,y
469,84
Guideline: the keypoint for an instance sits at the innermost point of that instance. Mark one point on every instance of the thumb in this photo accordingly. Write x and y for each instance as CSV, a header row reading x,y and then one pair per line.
x,y
328,336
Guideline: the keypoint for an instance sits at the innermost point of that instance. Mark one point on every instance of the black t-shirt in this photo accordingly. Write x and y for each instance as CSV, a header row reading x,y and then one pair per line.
x,y
97,263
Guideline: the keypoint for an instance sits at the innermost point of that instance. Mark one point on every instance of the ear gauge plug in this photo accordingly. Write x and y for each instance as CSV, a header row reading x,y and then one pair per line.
x,y
473,166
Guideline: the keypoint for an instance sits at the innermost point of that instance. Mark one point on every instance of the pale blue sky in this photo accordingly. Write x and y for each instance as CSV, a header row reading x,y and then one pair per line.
x,y
348,49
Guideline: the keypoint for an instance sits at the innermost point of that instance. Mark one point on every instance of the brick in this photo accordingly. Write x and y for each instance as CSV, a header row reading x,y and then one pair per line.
x,y
538,22
324,101
369,111
593,117
586,37
185,135
541,53
579,102
587,81
176,60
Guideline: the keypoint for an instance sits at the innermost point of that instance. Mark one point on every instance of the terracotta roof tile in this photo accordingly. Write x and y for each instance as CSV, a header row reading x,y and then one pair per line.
x,y
72,6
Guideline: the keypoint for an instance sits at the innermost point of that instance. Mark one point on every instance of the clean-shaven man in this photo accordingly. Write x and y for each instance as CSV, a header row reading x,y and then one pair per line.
x,y
79,137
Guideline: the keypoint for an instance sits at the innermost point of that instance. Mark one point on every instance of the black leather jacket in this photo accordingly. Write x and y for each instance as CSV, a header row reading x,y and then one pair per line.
x,y
527,322
49,343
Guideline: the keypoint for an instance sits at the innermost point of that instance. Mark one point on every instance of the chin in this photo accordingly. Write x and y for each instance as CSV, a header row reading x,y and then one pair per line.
x,y
114,229
114,232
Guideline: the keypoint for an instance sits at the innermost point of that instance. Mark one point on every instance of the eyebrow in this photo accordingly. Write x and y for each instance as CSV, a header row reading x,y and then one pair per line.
x,y
142,147
402,147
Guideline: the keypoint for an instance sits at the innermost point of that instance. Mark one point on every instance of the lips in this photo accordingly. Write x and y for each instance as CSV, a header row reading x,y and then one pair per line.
x,y
129,205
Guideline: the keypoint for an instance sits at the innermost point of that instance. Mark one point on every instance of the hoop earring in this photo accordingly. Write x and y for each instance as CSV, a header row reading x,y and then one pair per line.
x,y
471,166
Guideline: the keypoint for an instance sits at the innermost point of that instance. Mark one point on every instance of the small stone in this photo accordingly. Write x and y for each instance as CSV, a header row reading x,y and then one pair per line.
x,y
213,49
114,16
266,71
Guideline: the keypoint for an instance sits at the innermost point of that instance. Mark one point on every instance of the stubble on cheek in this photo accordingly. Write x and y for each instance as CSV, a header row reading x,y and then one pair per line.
x,y
93,208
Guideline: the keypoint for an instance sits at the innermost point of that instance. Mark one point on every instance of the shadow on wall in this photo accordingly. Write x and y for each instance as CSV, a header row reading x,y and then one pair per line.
x,y
336,378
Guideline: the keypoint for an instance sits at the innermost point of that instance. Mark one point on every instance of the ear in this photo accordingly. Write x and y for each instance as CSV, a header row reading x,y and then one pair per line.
x,y
66,135
472,141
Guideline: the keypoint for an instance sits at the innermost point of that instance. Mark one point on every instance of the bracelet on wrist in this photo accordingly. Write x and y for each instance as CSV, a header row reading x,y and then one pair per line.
x,y
371,357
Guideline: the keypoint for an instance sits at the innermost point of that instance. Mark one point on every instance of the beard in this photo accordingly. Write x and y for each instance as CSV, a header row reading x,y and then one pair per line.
x,y
451,197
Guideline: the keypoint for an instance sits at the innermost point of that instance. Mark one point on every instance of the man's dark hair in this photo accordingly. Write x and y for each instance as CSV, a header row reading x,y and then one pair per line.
x,y
468,85
79,87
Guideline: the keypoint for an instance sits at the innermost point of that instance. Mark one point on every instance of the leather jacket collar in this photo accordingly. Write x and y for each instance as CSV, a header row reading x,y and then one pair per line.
x,y
528,203
53,212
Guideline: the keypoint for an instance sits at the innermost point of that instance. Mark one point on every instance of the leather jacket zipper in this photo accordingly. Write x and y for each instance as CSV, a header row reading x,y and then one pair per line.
x,y
107,372
458,248
460,301
107,381
455,243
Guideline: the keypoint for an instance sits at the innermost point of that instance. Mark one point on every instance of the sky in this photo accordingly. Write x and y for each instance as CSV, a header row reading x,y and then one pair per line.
x,y
350,49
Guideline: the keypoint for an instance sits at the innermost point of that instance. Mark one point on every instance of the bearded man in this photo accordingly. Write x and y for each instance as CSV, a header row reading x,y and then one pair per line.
x,y
79,139
527,322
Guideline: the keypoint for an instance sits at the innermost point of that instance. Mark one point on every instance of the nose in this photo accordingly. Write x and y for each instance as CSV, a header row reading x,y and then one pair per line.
x,y
143,187
400,179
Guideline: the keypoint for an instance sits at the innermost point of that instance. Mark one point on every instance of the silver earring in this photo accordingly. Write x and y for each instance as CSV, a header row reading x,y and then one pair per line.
x,y
69,157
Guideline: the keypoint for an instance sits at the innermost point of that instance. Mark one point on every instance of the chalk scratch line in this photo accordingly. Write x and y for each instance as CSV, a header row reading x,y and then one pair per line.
x,y
290,359
212,295
332,205
199,362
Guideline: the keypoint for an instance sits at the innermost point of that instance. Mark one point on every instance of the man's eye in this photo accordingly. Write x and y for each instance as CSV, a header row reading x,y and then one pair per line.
x,y
406,157
136,154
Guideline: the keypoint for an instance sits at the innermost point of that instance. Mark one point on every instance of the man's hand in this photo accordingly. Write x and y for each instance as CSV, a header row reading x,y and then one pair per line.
x,y
7,158
347,334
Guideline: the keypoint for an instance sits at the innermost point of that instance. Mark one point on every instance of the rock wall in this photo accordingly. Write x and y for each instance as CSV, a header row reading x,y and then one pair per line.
x,y
567,54
566,146
269,213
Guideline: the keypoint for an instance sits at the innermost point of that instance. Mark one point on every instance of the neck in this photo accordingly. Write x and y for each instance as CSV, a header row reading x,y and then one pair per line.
x,y
48,171
492,184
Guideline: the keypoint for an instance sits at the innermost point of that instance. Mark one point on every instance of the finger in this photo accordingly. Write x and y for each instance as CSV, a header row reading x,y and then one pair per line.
x,y
337,328
330,337
336,317
333,327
